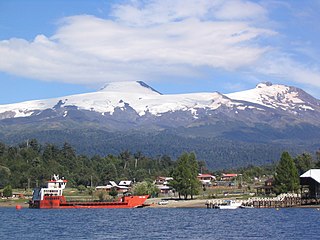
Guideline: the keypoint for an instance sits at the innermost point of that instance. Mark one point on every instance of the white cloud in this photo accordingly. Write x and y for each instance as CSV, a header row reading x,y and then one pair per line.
x,y
283,67
240,10
142,41
150,39
191,41
165,11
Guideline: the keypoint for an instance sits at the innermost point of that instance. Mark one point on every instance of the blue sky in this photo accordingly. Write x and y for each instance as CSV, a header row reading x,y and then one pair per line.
x,y
56,48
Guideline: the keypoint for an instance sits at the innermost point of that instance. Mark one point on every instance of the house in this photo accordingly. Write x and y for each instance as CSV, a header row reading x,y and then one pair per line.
x,y
113,184
206,179
267,189
310,184
163,180
164,189
163,183
125,183
228,176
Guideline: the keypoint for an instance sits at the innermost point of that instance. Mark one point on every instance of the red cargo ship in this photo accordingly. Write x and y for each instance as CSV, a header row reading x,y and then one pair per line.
x,y
51,197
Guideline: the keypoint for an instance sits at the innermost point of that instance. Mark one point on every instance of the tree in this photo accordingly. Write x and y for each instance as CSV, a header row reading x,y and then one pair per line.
x,y
140,188
2,149
318,158
7,191
185,174
125,157
145,188
102,196
4,176
81,188
286,176
303,162
113,192
33,143
108,172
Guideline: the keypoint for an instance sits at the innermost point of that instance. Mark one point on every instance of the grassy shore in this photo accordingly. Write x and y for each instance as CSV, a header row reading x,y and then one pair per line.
x,y
14,202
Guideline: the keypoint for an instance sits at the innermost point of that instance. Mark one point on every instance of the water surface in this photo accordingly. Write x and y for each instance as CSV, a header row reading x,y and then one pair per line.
x,y
155,223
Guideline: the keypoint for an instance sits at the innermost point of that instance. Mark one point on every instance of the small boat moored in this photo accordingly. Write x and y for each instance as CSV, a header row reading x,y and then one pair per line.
x,y
230,204
163,202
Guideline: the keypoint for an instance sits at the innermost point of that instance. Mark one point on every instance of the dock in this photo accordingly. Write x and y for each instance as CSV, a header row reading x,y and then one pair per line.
x,y
285,200
281,201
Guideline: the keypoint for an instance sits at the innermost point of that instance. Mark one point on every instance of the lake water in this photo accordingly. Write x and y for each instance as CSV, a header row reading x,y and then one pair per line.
x,y
155,223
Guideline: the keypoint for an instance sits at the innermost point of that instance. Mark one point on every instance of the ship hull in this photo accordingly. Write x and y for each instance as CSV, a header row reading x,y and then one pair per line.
x,y
61,203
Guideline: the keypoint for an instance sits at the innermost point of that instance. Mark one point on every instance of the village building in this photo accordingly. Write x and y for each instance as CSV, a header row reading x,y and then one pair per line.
x,y
228,176
207,180
163,184
267,189
123,186
125,183
310,184
163,180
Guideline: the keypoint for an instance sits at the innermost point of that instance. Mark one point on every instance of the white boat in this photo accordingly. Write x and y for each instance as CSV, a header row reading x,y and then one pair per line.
x,y
242,206
163,202
230,204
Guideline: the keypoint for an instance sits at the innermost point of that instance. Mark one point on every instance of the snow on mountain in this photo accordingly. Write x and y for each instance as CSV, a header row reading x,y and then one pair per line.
x,y
138,87
145,100
138,95
273,96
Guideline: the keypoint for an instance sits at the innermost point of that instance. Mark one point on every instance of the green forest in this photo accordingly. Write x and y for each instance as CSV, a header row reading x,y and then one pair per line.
x,y
218,153
31,164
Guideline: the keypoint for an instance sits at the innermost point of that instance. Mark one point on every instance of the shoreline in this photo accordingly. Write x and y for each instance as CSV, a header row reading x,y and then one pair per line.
x,y
194,203
13,204
151,203
201,203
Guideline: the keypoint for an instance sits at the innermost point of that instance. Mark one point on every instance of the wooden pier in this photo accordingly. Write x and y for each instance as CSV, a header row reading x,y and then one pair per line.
x,y
281,201
273,203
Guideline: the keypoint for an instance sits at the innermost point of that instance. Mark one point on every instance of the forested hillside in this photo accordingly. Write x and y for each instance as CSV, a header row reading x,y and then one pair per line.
x,y
30,164
217,153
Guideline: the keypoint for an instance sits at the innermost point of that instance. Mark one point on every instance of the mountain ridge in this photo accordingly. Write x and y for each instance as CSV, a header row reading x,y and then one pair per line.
x,y
278,116
142,98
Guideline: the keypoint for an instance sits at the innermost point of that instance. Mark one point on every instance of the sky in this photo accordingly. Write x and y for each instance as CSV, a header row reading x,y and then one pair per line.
x,y
54,48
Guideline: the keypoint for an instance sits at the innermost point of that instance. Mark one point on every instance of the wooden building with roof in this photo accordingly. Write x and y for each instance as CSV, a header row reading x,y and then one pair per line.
x,y
206,179
267,188
310,184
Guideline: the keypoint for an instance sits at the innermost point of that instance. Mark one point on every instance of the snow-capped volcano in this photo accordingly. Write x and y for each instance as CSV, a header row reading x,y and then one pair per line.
x,y
139,103
132,115
137,87
276,96
105,100
137,95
